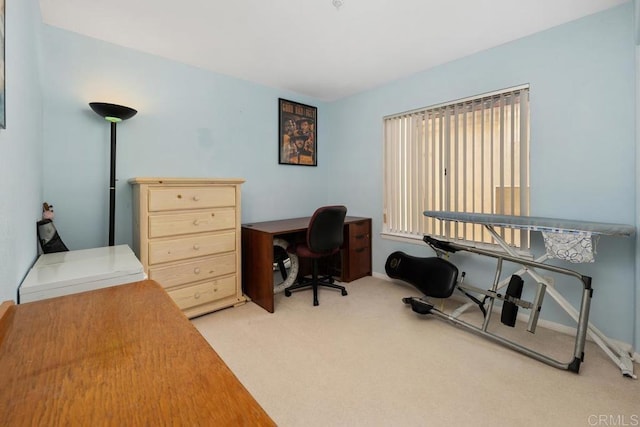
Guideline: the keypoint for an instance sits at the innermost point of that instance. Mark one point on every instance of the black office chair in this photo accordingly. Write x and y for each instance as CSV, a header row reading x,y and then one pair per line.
x,y
324,239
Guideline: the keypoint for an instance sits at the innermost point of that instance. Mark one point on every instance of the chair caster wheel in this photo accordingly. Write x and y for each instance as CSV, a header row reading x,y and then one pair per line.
x,y
316,303
344,292
287,293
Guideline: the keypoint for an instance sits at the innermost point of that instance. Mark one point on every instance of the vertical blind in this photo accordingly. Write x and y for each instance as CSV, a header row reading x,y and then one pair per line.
x,y
470,155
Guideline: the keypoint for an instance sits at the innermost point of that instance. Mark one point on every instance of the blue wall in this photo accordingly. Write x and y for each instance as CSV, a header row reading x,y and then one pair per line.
x,y
190,123
20,146
582,79
196,123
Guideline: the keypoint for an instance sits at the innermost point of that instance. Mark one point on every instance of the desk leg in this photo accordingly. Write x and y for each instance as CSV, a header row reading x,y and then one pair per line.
x,y
257,267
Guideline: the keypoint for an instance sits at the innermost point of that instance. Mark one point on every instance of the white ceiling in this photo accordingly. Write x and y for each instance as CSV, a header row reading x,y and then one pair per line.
x,y
309,46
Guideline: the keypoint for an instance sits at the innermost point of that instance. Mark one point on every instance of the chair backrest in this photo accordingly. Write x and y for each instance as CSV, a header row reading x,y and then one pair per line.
x,y
325,231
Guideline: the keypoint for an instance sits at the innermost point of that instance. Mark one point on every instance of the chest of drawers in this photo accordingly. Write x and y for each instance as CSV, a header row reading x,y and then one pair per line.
x,y
186,233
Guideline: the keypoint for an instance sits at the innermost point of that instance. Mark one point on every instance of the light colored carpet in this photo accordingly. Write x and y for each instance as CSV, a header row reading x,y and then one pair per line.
x,y
367,360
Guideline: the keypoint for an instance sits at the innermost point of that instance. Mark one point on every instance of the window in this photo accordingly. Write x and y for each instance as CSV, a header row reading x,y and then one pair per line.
x,y
470,155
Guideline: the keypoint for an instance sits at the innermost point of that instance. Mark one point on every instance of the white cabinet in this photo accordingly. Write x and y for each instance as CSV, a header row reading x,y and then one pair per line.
x,y
64,273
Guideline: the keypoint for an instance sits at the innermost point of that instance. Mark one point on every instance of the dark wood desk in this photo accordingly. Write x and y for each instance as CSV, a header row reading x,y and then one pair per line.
x,y
124,355
257,253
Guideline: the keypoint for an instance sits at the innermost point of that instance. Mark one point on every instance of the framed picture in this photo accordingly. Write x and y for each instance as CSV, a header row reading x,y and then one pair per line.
x,y
2,55
297,133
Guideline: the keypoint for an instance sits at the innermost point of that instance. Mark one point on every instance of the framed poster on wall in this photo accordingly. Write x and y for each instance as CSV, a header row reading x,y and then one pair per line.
x,y
297,133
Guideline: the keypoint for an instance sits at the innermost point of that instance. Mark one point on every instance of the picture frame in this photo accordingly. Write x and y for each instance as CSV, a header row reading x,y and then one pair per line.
x,y
297,133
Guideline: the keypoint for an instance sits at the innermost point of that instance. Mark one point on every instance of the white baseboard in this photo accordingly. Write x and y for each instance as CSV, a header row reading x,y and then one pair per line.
x,y
570,330
554,326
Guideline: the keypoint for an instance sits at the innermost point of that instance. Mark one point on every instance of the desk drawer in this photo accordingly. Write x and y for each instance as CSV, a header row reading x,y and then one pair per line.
x,y
174,198
191,222
359,263
191,247
201,269
359,235
203,293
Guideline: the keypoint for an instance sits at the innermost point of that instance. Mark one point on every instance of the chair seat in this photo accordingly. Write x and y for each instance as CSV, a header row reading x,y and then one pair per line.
x,y
303,250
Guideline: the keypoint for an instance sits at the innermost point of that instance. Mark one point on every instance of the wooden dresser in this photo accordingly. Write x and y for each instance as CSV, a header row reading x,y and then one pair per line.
x,y
186,233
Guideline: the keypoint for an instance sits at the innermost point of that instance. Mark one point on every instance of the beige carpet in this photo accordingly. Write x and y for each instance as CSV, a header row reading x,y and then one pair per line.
x,y
367,360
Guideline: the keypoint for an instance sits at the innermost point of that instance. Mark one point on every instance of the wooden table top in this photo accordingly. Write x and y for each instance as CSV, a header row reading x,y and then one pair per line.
x,y
124,355
290,225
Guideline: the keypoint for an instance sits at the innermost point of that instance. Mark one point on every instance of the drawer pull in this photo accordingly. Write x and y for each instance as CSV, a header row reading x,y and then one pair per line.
x,y
195,222
196,295
361,236
360,250
196,270
196,198
196,246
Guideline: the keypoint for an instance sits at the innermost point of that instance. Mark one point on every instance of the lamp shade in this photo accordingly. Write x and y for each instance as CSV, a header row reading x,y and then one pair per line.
x,y
112,112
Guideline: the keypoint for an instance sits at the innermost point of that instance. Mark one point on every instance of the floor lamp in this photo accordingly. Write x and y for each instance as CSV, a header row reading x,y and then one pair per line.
x,y
112,113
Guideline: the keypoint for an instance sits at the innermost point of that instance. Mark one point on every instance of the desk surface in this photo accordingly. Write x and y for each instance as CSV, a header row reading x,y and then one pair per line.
x,y
123,355
291,225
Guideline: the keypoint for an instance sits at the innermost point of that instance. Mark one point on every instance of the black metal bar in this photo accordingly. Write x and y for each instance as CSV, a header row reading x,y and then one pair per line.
x,y
112,186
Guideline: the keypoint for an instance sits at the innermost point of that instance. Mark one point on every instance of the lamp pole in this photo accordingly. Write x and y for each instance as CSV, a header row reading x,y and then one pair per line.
x,y
112,187
112,113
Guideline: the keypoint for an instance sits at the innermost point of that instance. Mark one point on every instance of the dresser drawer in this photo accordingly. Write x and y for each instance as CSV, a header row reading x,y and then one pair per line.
x,y
203,293
193,271
191,247
175,198
191,222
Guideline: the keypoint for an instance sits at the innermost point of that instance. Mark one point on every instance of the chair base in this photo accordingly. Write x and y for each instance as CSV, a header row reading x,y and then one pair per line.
x,y
326,281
